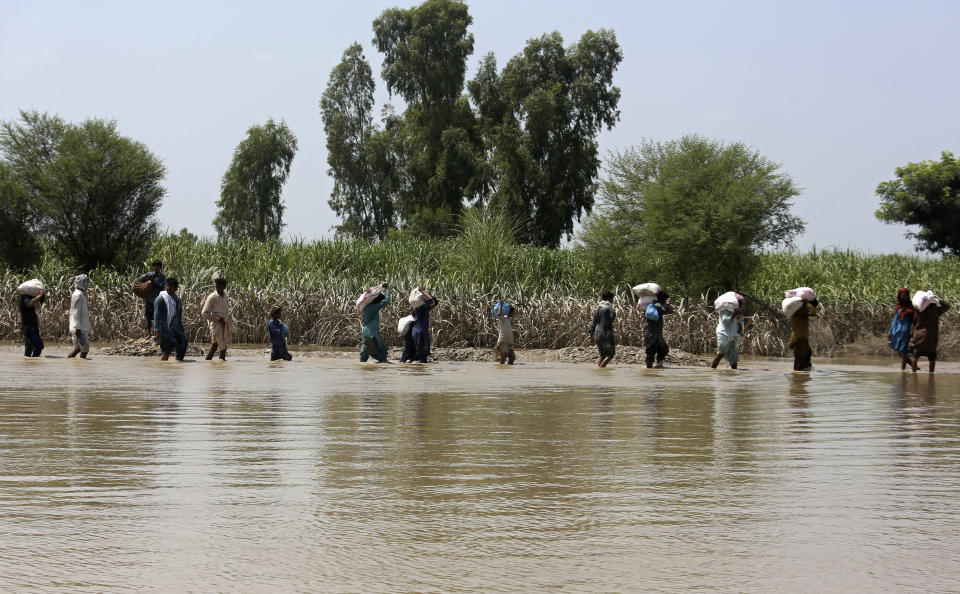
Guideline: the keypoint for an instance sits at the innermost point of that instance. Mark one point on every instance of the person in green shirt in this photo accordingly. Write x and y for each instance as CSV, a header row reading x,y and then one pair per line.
x,y
373,345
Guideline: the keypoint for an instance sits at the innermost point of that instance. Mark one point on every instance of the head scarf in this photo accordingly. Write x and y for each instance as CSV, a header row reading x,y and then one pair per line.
x,y
81,281
904,305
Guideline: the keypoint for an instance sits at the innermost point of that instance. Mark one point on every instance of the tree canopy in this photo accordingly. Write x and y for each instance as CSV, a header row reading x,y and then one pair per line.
x,y
540,118
92,192
250,202
691,214
523,139
926,194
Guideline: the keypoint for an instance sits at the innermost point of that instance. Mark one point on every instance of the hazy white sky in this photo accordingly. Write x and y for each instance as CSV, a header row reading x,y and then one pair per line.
x,y
840,93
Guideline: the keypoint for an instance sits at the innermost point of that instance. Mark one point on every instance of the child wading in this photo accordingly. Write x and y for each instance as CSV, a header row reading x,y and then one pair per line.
x,y
603,325
926,333
728,338
278,336
503,312
901,327
653,339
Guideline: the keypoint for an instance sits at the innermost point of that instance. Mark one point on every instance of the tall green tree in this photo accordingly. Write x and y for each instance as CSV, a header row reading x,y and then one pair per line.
x,y
692,214
540,118
250,203
19,243
361,156
92,192
926,194
425,51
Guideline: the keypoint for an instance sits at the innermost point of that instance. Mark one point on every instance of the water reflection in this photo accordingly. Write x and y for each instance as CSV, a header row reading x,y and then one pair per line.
x,y
332,476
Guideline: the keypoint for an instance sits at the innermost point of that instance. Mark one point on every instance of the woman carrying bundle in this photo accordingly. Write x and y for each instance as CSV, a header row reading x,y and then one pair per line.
x,y
373,345
421,326
926,331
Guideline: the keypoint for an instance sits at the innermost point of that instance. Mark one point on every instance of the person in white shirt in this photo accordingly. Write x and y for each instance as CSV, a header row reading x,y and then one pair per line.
x,y
80,317
216,310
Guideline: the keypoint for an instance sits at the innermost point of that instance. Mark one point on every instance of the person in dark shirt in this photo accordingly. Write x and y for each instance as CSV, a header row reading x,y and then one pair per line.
x,y
421,327
926,334
603,326
653,339
157,283
30,324
278,336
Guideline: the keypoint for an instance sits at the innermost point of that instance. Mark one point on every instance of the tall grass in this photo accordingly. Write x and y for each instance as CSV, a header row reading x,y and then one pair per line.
x,y
317,283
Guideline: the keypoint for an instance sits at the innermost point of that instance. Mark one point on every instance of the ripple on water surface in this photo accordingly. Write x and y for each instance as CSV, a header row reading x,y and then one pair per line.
x,y
123,474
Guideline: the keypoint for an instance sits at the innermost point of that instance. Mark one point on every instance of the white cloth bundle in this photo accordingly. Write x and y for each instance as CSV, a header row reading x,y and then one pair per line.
x,y
30,287
729,301
643,302
416,298
404,324
921,299
368,296
805,293
646,290
792,305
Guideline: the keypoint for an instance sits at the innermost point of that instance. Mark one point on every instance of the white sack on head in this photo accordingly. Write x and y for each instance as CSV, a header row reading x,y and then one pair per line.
x,y
643,302
404,325
646,290
805,293
416,298
30,287
81,281
729,301
921,299
792,305
368,296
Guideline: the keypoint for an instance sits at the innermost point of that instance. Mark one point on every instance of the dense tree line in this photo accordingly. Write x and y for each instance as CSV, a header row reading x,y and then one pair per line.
x,y
85,191
523,138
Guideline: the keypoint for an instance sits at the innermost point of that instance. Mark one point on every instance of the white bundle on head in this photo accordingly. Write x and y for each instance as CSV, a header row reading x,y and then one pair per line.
x,y
805,293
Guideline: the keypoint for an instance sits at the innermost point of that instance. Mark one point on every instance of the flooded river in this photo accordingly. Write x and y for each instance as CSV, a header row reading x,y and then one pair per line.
x,y
324,475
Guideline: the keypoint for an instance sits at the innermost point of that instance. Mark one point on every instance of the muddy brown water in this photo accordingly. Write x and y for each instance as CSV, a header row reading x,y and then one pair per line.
x,y
121,474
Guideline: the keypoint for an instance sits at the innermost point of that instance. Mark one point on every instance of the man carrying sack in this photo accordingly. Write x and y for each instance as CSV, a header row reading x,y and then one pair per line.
x,y
216,311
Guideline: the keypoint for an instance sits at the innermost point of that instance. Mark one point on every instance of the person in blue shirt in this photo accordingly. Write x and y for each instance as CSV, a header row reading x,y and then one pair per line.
x,y
168,321
421,327
278,336
373,345
901,328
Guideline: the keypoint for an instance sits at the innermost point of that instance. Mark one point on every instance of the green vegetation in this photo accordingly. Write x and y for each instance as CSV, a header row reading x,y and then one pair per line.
x,y
694,213
317,284
523,138
926,194
250,204
88,192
